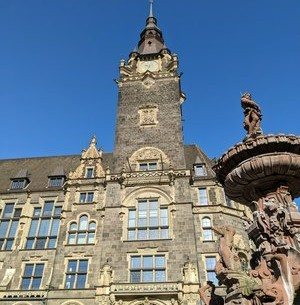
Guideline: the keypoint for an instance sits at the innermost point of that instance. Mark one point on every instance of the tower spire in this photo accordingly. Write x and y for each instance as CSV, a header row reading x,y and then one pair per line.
x,y
151,38
151,8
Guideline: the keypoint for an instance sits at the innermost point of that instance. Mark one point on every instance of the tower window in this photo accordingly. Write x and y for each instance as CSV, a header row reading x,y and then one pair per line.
x,y
32,276
203,196
148,166
210,264
200,170
148,221
207,229
86,197
147,268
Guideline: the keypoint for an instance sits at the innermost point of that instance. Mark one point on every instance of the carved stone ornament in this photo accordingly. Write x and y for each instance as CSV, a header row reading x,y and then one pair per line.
x,y
106,275
148,115
151,154
92,157
189,272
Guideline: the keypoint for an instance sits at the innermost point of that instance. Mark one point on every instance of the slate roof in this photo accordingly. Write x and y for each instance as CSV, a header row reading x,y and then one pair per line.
x,y
38,169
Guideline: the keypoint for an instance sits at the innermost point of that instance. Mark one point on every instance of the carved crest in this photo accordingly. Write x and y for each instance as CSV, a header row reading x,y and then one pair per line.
x,y
149,153
148,115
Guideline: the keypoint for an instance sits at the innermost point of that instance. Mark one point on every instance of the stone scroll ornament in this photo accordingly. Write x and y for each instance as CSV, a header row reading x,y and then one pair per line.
x,y
268,185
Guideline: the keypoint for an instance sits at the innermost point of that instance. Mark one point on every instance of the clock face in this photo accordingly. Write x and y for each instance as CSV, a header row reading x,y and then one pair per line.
x,y
151,66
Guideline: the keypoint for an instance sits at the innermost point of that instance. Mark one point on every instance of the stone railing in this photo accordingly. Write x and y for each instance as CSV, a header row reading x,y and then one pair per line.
x,y
149,288
23,294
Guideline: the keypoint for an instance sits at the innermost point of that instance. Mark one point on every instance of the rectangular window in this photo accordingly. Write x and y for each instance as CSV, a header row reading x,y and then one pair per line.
x,y
32,276
18,184
203,196
76,274
9,221
148,166
44,227
147,268
89,173
148,221
56,181
200,170
86,197
210,264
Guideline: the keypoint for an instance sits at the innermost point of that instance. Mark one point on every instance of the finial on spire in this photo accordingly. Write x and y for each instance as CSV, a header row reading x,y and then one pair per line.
x,y
151,8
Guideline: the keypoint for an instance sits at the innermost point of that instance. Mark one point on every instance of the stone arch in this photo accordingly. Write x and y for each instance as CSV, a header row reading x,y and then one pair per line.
x,y
146,301
149,153
22,303
72,302
147,192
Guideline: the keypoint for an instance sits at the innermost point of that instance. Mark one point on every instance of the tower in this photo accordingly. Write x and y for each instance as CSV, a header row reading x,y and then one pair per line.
x,y
149,104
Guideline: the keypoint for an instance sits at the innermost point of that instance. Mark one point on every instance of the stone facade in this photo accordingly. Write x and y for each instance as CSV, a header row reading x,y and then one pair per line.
x,y
129,227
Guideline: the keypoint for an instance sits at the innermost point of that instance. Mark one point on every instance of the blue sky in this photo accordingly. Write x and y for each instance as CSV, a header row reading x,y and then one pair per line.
x,y
58,60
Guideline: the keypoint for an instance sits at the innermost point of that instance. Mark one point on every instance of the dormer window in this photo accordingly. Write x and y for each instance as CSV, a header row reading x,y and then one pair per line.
x,y
18,184
56,181
89,173
148,166
200,170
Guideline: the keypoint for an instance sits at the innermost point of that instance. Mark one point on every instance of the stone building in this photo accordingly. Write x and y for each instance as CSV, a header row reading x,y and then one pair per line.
x,y
129,227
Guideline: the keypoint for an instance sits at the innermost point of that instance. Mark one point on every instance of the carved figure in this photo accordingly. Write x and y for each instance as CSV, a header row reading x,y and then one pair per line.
x,y
106,275
229,259
189,272
207,294
253,116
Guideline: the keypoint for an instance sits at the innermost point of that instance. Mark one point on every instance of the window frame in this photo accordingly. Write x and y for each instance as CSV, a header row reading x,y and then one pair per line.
x,y
140,224
207,228
78,233
84,197
203,200
147,164
144,271
33,276
76,273
9,231
200,170
18,183
55,179
210,271
89,172
44,220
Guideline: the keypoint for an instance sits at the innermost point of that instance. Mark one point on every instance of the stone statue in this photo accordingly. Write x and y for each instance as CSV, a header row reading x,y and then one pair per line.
x,y
253,116
106,275
189,272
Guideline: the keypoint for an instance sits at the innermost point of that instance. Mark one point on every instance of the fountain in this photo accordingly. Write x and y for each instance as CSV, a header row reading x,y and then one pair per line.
x,y
262,172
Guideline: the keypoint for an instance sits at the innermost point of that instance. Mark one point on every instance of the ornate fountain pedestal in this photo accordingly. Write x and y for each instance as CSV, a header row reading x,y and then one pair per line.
x,y
263,172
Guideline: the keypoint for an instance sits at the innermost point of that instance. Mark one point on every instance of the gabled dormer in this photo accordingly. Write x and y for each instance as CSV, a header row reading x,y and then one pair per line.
x,y
90,164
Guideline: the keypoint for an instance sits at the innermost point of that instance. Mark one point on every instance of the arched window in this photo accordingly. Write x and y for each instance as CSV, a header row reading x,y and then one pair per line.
x,y
206,229
82,232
